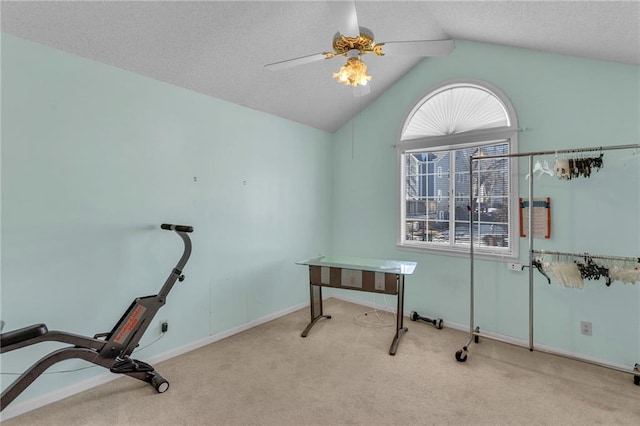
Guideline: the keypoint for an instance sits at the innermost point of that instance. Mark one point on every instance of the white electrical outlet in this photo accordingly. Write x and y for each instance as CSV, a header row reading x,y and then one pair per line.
x,y
585,328
514,266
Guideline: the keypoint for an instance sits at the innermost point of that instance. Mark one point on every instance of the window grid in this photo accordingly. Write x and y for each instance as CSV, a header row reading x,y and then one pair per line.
x,y
431,212
436,183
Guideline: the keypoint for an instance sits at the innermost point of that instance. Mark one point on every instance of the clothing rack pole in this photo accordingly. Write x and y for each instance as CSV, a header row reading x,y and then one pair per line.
x,y
472,329
474,333
530,238
593,256
471,210
560,151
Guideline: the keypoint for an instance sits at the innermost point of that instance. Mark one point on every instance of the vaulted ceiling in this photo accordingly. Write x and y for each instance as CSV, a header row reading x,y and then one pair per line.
x,y
220,48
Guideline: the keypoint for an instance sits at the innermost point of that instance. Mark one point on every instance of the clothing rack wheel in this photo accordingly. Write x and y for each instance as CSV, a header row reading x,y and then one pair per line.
x,y
474,336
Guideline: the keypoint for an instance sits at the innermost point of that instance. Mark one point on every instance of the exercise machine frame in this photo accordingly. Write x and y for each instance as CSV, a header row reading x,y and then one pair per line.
x,y
111,350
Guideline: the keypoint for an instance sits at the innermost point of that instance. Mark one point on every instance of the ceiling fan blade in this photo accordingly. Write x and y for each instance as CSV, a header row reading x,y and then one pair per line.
x,y
344,14
418,48
290,63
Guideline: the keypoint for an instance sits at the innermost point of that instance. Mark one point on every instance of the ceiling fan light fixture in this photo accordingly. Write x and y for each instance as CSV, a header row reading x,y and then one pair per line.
x,y
360,41
353,73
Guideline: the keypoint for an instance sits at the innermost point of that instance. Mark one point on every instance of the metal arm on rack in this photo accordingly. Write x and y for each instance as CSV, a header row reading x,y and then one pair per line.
x,y
538,265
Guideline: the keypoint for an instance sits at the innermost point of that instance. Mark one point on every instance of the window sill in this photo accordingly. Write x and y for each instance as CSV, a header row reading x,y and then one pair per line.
x,y
504,257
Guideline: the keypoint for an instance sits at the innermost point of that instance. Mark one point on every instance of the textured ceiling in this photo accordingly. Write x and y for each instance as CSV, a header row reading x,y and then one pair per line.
x,y
220,48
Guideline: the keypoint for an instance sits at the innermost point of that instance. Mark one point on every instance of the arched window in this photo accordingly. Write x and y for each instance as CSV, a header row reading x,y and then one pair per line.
x,y
452,123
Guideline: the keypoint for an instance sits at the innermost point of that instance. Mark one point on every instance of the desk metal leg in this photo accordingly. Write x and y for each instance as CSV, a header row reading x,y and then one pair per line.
x,y
315,306
400,329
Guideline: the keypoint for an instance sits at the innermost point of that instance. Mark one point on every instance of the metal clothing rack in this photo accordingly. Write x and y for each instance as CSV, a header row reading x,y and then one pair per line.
x,y
474,332
592,256
591,270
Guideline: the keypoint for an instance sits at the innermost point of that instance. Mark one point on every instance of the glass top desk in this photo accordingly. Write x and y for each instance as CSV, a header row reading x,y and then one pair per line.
x,y
352,273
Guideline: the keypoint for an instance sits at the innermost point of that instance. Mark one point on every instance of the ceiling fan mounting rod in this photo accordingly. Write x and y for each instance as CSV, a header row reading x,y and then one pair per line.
x,y
363,43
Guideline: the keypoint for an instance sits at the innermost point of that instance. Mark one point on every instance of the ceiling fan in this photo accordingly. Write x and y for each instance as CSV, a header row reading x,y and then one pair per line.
x,y
353,41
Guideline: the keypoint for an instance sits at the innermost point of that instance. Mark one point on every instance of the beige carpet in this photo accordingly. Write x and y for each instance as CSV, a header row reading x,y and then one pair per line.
x,y
342,374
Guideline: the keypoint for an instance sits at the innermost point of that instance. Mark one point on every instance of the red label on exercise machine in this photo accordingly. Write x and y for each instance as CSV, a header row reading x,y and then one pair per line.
x,y
130,324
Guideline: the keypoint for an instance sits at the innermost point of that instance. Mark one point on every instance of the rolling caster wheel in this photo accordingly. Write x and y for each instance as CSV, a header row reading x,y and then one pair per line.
x,y
160,384
461,356
636,380
413,316
439,324
476,339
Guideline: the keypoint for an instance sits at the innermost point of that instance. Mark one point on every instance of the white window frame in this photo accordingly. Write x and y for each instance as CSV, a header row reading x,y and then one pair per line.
x,y
473,138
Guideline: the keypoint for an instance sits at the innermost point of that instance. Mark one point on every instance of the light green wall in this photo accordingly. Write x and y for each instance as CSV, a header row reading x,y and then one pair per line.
x,y
565,102
95,158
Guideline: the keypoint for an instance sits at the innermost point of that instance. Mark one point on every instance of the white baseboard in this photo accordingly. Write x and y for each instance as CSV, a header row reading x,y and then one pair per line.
x,y
37,402
223,334
57,395
504,338
390,308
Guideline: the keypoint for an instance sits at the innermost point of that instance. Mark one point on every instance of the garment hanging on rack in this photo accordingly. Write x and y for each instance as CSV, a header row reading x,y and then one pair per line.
x,y
591,271
541,169
567,274
571,269
627,275
573,167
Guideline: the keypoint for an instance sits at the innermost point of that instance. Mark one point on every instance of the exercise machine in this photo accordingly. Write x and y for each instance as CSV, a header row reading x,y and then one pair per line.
x,y
111,350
